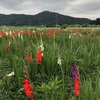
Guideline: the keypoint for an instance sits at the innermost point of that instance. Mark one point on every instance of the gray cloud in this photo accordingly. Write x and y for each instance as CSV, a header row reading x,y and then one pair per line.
x,y
43,4
10,4
89,6
82,8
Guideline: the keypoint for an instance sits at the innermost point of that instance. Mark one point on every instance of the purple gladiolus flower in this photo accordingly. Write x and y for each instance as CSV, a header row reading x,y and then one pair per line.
x,y
76,80
74,70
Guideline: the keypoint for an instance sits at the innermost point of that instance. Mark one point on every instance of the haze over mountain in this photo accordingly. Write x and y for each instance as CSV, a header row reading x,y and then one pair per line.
x,y
45,18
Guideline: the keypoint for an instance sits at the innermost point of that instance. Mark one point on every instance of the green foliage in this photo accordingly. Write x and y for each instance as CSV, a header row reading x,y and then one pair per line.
x,y
96,22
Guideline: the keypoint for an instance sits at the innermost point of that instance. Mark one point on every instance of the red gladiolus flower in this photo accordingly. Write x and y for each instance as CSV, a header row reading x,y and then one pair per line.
x,y
51,35
76,80
30,94
13,34
29,58
25,81
76,86
27,77
9,48
2,33
17,32
39,57
27,86
28,89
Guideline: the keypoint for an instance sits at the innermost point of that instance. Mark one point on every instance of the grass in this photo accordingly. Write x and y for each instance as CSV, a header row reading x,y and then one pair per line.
x,y
49,80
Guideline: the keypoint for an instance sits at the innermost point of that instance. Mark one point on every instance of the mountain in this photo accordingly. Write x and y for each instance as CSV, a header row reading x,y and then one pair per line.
x,y
44,18
96,22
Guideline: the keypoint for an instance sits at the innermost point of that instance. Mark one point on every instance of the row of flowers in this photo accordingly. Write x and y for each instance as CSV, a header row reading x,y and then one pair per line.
x,y
49,32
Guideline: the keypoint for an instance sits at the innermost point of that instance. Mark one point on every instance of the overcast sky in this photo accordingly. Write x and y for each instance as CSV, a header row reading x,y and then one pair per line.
x,y
76,8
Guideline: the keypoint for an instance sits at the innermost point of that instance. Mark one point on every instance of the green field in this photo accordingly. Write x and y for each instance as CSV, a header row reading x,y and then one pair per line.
x,y
37,64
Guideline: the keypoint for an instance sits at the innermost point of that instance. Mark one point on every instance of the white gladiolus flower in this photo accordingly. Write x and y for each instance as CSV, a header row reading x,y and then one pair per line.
x,y
59,61
9,43
10,33
74,33
7,33
21,37
42,54
11,74
69,36
42,48
33,31
80,35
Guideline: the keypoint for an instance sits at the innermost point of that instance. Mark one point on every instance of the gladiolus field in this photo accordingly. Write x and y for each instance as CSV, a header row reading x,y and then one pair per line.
x,y
49,64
